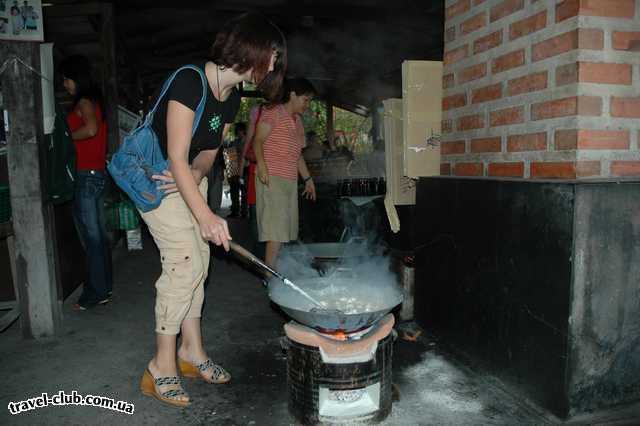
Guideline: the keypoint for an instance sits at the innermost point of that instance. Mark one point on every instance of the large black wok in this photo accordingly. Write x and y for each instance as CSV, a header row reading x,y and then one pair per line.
x,y
349,304
345,300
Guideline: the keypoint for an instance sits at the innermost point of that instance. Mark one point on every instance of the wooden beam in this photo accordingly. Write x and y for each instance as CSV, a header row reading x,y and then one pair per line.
x,y
330,129
7,306
77,9
40,310
110,74
9,317
291,10
154,64
74,39
353,108
193,48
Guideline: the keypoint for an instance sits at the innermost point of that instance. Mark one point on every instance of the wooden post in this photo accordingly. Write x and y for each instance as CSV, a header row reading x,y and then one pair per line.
x,y
110,74
139,99
330,130
375,127
40,310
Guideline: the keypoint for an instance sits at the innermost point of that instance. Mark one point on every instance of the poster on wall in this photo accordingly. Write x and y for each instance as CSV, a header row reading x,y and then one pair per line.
x,y
21,20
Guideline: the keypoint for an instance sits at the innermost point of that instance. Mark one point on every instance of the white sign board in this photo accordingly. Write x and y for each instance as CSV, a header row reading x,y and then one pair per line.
x,y
21,20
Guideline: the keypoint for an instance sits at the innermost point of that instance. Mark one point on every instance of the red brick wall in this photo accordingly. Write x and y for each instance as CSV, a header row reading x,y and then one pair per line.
x,y
541,89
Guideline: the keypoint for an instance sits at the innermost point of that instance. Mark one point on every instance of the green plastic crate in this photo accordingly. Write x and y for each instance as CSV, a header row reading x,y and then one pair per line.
x,y
5,204
128,216
112,216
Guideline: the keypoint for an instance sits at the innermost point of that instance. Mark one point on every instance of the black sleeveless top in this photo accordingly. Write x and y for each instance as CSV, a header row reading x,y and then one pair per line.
x,y
186,88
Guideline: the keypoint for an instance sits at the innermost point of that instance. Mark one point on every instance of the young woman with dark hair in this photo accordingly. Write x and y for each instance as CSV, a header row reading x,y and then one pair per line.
x,y
248,48
89,133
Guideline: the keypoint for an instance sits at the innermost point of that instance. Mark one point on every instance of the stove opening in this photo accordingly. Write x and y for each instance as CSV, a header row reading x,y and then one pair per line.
x,y
348,402
335,334
343,335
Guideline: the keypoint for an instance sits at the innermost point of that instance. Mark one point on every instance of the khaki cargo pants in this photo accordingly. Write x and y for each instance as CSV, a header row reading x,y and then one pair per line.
x,y
185,261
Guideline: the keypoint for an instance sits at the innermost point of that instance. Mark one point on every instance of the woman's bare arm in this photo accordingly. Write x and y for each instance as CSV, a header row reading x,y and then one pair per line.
x,y
262,133
87,110
309,187
179,123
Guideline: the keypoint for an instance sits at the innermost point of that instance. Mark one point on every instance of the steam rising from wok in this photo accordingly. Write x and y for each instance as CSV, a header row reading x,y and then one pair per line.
x,y
354,285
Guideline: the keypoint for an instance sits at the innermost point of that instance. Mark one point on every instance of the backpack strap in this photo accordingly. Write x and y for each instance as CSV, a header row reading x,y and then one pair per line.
x,y
203,101
165,88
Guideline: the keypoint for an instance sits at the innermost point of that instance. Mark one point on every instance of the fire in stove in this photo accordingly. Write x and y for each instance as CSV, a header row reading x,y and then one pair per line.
x,y
344,335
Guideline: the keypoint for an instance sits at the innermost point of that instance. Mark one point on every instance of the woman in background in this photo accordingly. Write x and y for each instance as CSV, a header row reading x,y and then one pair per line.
x,y
278,144
89,133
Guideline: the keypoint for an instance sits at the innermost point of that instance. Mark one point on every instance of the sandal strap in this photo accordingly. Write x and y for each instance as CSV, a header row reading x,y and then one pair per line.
x,y
204,366
169,380
218,371
173,393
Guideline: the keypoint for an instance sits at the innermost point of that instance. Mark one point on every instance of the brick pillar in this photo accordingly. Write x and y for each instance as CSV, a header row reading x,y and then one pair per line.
x,y
541,89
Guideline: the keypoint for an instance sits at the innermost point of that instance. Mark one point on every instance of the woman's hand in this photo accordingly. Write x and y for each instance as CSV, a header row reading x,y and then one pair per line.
x,y
214,228
309,190
263,173
169,184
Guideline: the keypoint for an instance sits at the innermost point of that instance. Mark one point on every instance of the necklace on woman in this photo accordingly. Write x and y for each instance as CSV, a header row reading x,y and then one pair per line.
x,y
218,78
215,88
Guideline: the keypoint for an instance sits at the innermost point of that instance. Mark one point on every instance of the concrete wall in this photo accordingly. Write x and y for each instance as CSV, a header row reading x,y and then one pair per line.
x,y
540,286
495,282
541,88
604,344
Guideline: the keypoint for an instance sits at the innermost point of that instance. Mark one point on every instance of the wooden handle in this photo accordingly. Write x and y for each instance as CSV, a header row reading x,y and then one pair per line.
x,y
243,252
252,258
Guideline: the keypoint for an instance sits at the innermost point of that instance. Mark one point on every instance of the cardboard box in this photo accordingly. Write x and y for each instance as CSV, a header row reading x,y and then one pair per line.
x,y
400,189
422,117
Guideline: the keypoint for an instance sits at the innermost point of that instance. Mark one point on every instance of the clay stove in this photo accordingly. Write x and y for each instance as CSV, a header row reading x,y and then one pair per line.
x,y
336,377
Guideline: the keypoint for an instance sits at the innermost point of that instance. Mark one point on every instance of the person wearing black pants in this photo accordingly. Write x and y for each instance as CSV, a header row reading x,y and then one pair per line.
x,y
216,181
236,189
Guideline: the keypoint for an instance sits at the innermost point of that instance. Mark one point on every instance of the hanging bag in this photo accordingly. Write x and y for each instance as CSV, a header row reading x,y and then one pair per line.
x,y
61,161
140,157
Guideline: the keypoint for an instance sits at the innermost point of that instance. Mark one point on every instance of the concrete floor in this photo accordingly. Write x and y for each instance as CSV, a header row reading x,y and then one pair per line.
x,y
104,352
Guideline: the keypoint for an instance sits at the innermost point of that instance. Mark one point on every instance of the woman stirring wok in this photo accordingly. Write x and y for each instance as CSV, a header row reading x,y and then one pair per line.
x,y
251,49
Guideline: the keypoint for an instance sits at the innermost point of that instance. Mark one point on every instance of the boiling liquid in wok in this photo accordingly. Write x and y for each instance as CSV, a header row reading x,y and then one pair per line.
x,y
349,305
349,296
